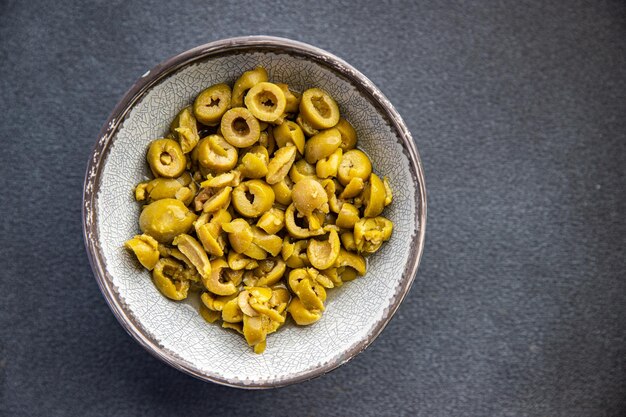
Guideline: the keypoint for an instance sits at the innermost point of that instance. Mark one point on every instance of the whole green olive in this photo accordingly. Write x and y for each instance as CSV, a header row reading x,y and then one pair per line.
x,y
165,219
166,158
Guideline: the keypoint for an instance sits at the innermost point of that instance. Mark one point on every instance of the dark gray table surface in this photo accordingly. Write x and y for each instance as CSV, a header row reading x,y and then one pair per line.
x,y
519,111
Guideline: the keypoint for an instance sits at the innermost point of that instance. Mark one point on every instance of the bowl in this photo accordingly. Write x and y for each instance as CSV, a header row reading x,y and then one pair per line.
x,y
174,332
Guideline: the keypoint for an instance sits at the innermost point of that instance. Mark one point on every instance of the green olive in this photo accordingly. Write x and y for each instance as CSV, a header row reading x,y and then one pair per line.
x,y
146,249
239,234
272,221
347,240
215,302
270,271
220,280
253,198
226,179
308,195
388,192
330,187
254,163
211,104
319,108
282,191
238,261
240,128
165,219
306,127
185,129
216,154
348,134
374,197
166,158
289,132
266,101
218,201
269,243
323,253
303,282
247,80
210,316
347,216
301,315
328,166
370,233
164,278
292,99
255,329
280,164
294,254
231,313
267,140
354,164
352,260
322,145
301,231
160,188
301,169
352,189
193,250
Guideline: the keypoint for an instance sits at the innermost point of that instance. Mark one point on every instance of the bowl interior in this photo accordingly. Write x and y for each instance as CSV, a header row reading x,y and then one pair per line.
x,y
354,312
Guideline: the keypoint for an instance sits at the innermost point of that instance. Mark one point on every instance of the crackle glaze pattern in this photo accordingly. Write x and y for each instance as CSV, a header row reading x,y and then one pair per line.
x,y
354,312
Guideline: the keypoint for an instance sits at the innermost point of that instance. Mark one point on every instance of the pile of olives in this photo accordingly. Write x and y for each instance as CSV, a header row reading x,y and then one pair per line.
x,y
260,202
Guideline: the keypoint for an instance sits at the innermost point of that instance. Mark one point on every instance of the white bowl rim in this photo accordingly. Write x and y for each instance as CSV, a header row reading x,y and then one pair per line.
x,y
136,93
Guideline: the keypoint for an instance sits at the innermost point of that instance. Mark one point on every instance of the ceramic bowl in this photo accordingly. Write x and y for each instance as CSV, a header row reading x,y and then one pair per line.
x,y
356,313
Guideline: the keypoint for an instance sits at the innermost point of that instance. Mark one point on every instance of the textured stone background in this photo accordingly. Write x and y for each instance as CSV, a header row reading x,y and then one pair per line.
x,y
519,111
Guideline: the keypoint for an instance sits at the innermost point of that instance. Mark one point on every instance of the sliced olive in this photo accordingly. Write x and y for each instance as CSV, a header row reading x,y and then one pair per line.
x,y
216,154
212,103
272,221
282,191
306,127
220,280
253,198
323,253
247,80
240,128
280,164
348,134
374,196
164,278
370,233
266,101
319,108
354,164
185,129
347,216
192,249
292,99
146,249
166,158
322,145
289,132
328,166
